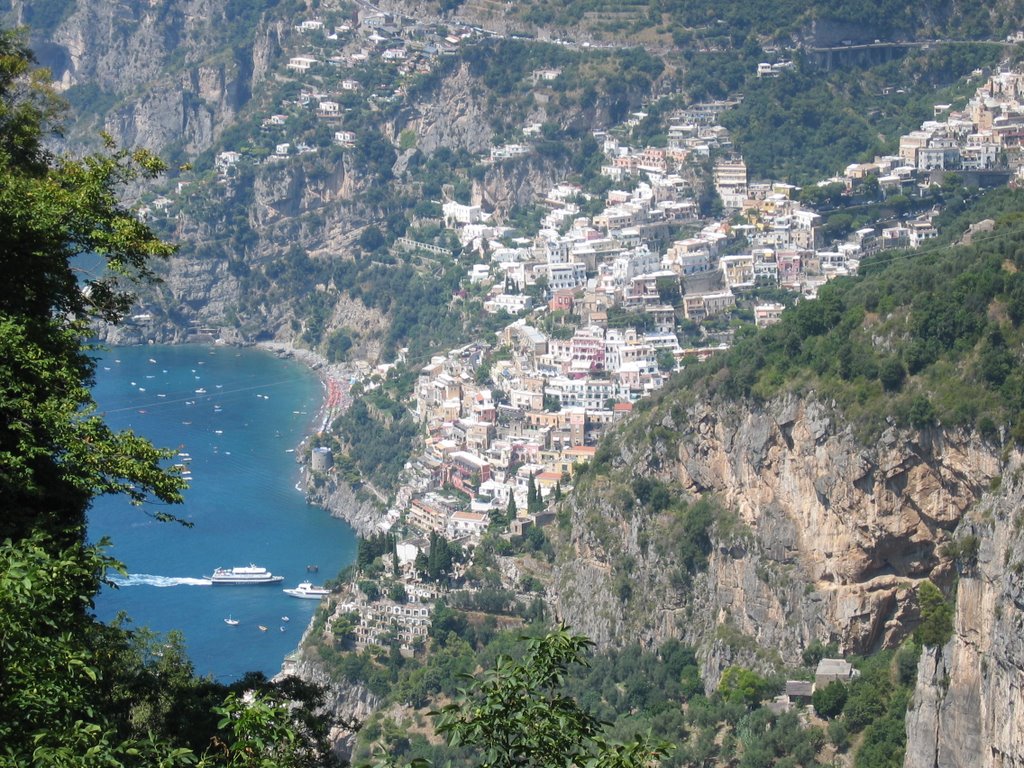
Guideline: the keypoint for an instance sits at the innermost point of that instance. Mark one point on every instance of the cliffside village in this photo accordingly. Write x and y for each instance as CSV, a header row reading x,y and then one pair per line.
x,y
548,397
596,302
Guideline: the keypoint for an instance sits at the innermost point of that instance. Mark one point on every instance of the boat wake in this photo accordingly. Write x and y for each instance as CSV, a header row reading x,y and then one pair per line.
x,y
149,580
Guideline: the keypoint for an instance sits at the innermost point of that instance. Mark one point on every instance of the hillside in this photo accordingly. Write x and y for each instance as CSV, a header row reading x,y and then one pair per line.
x,y
194,79
755,513
836,490
426,198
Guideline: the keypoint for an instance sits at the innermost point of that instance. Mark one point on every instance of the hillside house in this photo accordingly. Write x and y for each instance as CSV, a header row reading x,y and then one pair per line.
x,y
831,670
767,314
226,160
328,109
464,523
465,471
382,619
544,75
302,63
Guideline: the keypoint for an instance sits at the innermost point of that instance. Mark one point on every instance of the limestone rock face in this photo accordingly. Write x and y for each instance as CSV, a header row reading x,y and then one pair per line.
x,y
455,116
827,539
157,61
339,498
347,704
516,184
968,707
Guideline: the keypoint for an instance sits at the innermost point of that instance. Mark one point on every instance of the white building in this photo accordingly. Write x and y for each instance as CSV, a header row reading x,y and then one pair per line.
x,y
328,109
767,314
568,275
511,303
457,213
225,160
466,524
302,63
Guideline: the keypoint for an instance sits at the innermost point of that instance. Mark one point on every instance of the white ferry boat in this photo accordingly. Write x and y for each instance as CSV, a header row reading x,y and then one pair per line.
x,y
246,574
307,591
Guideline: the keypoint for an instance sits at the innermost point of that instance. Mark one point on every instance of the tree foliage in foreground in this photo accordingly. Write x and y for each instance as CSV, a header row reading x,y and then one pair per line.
x,y
74,692
517,713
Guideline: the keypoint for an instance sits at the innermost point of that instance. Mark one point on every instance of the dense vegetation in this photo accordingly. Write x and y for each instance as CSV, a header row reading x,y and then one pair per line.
x,y
685,20
632,690
920,337
808,124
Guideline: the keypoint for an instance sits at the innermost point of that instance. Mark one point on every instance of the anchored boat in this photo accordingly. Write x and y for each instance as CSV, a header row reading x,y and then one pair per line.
x,y
307,591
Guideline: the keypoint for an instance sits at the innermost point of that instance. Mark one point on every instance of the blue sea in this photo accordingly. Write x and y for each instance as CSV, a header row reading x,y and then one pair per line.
x,y
236,417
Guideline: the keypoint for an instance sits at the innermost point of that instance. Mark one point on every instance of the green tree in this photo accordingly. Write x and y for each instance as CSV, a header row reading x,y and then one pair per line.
x,y
829,700
262,734
742,685
666,360
534,499
516,714
55,453
74,692
892,373
936,625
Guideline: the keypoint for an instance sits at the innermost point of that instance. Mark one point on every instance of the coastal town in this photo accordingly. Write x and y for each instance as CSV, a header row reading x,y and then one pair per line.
x,y
597,307
563,382
609,296
603,307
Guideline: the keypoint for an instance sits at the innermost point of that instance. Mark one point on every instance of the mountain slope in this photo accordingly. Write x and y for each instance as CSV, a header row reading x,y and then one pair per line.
x,y
788,493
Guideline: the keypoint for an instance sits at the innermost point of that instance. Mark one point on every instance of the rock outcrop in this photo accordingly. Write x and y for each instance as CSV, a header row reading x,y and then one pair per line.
x,y
347,704
341,501
455,116
824,539
968,707
166,72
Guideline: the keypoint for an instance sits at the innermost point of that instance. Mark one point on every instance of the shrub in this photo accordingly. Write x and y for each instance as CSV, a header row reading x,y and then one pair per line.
x,y
829,701
936,625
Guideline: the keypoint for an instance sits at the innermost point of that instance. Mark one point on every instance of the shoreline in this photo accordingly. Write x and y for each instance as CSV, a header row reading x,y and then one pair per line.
x,y
337,496
335,378
332,378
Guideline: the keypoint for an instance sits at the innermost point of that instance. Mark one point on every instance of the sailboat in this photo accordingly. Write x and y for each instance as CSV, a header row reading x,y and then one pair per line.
x,y
231,622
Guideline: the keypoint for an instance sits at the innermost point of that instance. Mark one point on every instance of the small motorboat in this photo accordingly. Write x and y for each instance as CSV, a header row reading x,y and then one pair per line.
x,y
231,622
285,618
283,628
307,591
262,628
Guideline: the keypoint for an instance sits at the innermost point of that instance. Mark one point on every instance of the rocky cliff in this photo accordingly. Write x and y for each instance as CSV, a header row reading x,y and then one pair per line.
x,y
968,708
337,496
348,704
818,537
168,76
